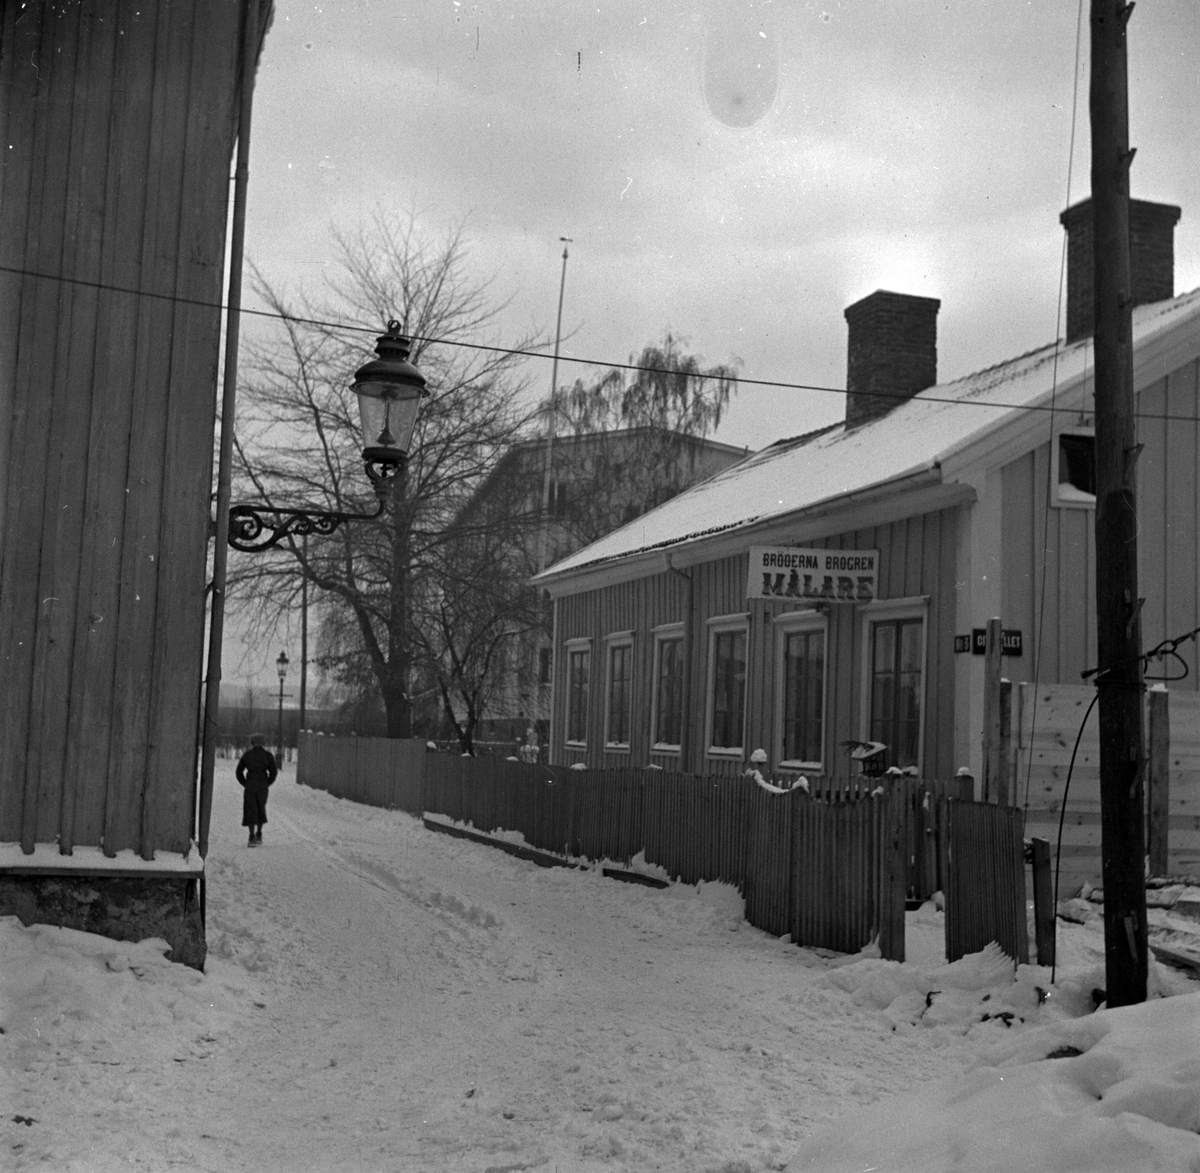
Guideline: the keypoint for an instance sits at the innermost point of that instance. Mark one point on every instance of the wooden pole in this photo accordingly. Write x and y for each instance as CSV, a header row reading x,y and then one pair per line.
x,y
894,875
1159,779
1044,918
216,627
992,747
1119,677
1004,787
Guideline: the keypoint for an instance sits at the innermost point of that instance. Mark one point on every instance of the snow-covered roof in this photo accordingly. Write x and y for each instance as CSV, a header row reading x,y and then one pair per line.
x,y
918,437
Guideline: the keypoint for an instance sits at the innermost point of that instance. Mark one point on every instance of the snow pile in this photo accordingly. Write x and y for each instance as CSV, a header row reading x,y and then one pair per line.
x,y
81,1016
1118,1090
378,996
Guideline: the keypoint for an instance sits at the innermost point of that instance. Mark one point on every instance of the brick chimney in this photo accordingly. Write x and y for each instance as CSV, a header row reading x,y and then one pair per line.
x,y
1151,259
891,353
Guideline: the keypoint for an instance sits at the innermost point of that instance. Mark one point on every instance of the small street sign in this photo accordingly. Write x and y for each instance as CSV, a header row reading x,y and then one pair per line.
x,y
1012,642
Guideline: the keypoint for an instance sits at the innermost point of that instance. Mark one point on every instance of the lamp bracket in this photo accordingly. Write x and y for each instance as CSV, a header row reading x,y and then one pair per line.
x,y
251,530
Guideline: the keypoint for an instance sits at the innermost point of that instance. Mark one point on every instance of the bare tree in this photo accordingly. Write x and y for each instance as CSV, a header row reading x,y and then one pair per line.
x,y
622,444
633,438
299,446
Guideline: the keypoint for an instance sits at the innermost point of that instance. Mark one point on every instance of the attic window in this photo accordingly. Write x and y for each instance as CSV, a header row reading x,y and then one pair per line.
x,y
1075,475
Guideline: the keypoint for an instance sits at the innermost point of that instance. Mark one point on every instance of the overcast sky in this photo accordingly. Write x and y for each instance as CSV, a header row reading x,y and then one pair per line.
x,y
736,171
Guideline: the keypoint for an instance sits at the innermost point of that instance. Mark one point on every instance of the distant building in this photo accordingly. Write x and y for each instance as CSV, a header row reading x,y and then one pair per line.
x,y
569,491
825,589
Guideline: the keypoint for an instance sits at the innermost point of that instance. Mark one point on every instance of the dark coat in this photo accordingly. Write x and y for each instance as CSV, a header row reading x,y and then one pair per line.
x,y
256,770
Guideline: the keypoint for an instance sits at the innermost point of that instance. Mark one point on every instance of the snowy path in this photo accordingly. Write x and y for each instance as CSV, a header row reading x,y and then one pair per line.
x,y
383,997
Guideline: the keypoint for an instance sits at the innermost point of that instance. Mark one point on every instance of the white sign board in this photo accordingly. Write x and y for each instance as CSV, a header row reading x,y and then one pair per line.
x,y
793,572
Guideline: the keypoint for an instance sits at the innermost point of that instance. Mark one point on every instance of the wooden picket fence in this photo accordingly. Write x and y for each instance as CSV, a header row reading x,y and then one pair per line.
x,y
377,771
833,868
814,867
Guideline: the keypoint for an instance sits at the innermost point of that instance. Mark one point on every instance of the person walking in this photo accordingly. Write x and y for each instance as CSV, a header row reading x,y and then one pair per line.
x,y
256,770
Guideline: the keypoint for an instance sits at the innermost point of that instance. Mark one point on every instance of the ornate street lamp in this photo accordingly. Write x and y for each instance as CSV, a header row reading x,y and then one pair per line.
x,y
389,390
281,666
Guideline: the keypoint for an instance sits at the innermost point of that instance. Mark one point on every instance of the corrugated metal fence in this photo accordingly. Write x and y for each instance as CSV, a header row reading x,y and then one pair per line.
x,y
983,849
833,867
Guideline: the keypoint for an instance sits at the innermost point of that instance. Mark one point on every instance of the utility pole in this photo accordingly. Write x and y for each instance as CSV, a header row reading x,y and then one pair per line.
x,y
1119,675
547,477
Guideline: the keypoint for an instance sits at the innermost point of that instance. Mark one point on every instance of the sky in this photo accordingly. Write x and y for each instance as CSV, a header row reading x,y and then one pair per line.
x,y
736,172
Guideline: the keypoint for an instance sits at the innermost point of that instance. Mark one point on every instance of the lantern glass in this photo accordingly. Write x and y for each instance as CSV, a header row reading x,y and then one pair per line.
x,y
281,665
389,414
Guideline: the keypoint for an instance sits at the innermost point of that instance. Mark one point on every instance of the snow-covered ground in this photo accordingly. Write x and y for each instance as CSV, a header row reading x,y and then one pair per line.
x,y
381,997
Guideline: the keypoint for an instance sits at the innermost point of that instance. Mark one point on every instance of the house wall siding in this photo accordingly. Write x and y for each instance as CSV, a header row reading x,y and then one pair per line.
x,y
917,558
1059,618
116,173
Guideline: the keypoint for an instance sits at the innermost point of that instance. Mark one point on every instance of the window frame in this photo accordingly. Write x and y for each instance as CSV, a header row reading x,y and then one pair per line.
x,y
667,633
574,647
719,625
884,611
1083,501
615,641
787,624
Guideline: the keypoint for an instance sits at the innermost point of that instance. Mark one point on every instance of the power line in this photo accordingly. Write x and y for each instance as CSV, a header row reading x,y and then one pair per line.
x,y
350,327
1058,313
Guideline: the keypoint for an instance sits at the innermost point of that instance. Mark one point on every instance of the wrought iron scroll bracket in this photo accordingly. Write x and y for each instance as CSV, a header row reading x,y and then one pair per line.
x,y
252,529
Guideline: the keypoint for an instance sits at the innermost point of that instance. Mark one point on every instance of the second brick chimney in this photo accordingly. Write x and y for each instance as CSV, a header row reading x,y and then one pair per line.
x,y
891,352
1151,259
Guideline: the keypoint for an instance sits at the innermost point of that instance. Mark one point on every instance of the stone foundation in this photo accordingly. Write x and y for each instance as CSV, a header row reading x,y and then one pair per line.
x,y
120,907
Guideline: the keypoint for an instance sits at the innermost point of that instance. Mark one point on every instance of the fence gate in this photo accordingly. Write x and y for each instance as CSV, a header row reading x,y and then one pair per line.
x,y
984,873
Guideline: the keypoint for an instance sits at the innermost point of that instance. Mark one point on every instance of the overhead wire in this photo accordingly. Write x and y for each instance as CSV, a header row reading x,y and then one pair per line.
x,y
518,352
1058,323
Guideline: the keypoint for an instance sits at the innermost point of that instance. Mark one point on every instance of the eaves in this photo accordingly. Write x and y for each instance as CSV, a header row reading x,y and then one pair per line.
x,y
914,493
1021,430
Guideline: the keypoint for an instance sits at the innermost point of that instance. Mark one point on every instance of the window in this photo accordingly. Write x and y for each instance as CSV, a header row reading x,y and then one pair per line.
x,y
801,722
897,650
620,681
727,687
668,689
579,657
559,499
1074,473
545,665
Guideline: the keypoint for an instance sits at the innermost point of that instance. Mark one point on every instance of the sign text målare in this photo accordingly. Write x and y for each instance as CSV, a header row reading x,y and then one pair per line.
x,y
796,572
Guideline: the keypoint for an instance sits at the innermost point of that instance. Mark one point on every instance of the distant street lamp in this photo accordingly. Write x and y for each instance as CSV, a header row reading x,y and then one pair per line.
x,y
389,390
281,666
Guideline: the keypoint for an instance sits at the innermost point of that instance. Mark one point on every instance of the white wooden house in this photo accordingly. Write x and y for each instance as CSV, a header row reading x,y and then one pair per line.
x,y
712,626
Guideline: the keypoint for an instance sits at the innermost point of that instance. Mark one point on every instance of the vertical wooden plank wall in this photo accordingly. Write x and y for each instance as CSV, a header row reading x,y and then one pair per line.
x,y
116,174
1168,543
1046,746
917,557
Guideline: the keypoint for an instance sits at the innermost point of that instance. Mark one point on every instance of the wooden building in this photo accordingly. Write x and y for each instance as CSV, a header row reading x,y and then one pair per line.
x,y
119,126
716,624
550,496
